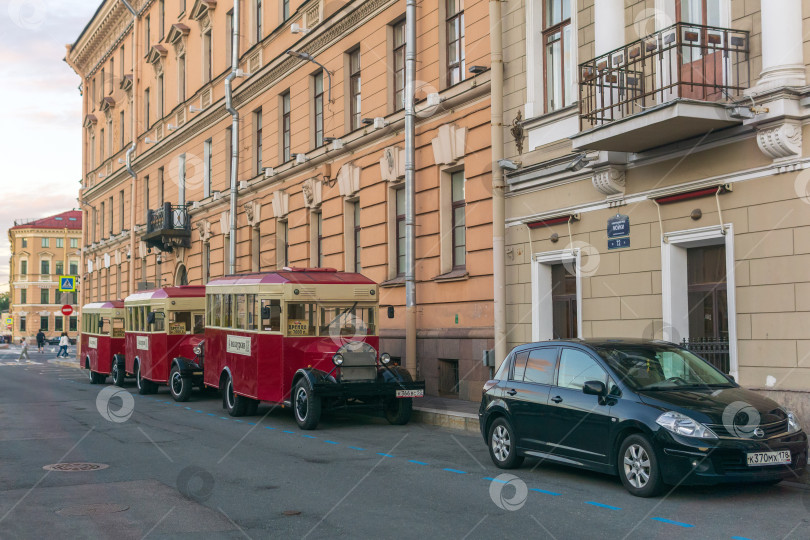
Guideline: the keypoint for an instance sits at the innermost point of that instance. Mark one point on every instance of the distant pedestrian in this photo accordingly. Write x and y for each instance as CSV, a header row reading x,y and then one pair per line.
x,y
41,341
24,351
64,341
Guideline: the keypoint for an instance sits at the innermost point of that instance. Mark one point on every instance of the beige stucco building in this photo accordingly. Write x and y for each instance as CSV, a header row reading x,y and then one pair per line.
x,y
685,118
320,156
42,250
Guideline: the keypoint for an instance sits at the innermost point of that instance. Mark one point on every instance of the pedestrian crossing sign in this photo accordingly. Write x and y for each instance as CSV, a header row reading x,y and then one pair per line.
x,y
67,283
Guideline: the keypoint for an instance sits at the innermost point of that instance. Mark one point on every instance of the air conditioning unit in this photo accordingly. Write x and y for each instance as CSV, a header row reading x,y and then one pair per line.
x,y
269,171
217,195
300,158
243,184
433,100
380,122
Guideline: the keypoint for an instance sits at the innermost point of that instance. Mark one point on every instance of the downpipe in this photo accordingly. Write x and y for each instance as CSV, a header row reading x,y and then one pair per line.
x,y
234,137
131,152
410,168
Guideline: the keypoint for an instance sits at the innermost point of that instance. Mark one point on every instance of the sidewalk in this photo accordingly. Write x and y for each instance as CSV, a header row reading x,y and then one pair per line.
x,y
446,412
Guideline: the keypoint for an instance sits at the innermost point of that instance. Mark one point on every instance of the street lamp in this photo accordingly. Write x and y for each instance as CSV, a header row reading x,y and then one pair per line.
x,y
309,58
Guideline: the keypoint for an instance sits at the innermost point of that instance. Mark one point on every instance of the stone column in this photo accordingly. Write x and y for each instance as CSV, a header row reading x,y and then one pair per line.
x,y
782,44
608,16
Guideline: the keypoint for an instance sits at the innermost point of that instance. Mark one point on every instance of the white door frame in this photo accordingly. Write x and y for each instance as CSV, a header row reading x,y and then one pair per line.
x,y
674,296
542,309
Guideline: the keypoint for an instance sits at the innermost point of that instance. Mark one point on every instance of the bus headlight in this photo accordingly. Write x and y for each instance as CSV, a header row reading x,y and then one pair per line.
x,y
198,349
385,358
338,359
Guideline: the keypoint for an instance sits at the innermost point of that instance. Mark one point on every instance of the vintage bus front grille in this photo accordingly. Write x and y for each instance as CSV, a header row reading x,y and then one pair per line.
x,y
358,366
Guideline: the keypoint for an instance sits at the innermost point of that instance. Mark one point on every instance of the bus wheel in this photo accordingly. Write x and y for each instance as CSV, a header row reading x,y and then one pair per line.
x,y
117,373
306,407
179,386
144,386
235,403
398,410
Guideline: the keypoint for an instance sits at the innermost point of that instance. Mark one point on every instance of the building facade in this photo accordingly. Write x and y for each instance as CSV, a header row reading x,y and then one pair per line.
x,y
41,251
660,187
319,155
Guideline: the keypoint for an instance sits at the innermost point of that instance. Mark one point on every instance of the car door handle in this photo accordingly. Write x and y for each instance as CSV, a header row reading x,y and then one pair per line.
x,y
511,391
556,399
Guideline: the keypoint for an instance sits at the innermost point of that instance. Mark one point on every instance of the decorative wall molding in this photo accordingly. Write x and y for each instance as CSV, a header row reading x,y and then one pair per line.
x,y
225,223
253,211
392,164
281,204
609,180
204,227
780,141
449,145
348,180
312,190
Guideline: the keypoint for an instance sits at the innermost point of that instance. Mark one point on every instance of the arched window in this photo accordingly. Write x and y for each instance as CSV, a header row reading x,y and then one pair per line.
x,y
181,276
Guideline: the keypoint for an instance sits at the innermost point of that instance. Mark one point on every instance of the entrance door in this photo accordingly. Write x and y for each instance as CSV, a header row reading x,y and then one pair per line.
x,y
701,56
564,302
708,301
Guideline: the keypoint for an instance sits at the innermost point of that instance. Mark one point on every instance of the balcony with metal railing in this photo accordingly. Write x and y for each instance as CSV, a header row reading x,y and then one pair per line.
x,y
680,82
168,227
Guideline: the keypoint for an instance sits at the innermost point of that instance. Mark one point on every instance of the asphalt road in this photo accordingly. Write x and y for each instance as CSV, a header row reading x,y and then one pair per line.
x,y
189,470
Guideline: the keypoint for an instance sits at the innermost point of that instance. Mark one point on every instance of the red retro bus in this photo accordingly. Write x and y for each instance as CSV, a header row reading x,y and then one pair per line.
x,y
102,338
306,338
161,325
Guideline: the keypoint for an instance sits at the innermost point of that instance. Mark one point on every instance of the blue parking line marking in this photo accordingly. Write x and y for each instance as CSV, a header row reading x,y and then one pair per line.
x,y
224,418
600,505
268,427
549,492
417,462
330,442
739,538
309,436
455,471
198,411
189,408
670,522
238,421
384,455
487,478
211,414
285,431
356,448
251,423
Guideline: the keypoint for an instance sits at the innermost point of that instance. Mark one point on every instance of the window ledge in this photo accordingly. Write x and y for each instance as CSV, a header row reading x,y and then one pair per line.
x,y
551,117
454,275
398,281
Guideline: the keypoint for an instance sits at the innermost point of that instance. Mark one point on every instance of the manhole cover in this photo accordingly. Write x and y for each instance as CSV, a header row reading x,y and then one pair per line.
x,y
92,509
75,467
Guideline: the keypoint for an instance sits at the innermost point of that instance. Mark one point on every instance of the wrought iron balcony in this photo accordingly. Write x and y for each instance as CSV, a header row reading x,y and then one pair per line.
x,y
677,83
168,227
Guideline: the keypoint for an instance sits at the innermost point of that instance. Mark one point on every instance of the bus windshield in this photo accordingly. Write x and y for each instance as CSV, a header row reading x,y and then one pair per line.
x,y
350,320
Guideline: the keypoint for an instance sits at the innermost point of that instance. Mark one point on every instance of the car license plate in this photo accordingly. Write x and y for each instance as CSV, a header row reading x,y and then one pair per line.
x,y
758,459
410,393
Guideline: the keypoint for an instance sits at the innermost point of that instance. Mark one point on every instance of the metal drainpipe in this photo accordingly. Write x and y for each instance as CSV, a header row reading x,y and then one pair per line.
x,y
498,205
131,151
234,136
410,166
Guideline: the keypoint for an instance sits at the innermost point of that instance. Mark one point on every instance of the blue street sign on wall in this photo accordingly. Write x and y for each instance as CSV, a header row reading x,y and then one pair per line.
x,y
618,225
616,243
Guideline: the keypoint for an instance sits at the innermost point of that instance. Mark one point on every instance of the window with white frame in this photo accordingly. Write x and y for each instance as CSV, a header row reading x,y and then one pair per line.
x,y
207,153
557,46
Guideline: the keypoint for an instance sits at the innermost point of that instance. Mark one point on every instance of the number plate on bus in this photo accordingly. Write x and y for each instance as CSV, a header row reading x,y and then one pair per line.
x,y
758,459
410,393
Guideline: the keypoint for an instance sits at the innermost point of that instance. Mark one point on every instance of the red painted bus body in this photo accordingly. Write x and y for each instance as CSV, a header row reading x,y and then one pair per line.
x,y
270,335
102,337
161,325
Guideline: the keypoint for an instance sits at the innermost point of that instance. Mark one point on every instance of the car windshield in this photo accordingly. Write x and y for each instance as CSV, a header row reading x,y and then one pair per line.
x,y
660,367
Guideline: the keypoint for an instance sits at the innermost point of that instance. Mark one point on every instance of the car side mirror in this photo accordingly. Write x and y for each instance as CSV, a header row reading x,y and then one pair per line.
x,y
594,388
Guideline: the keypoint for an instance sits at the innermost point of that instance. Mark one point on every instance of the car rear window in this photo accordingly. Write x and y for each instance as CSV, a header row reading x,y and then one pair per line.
x,y
520,365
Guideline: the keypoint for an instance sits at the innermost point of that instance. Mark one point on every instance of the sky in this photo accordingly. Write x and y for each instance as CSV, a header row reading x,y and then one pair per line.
x,y
40,112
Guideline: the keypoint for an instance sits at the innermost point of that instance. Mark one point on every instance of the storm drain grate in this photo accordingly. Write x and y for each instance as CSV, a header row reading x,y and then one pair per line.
x,y
75,467
92,509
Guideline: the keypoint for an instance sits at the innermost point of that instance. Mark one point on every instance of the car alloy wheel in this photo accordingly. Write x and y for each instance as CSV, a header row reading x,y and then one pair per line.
x,y
501,443
637,466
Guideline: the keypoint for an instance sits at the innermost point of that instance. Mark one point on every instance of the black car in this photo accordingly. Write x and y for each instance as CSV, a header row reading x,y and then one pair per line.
x,y
650,411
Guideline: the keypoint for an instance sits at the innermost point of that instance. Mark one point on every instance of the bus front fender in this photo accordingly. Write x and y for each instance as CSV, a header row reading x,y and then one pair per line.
x,y
188,368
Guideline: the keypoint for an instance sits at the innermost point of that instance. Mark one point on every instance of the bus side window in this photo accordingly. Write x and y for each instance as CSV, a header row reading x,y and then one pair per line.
x,y
160,321
271,315
241,314
103,326
118,328
251,312
214,308
227,310
179,322
301,319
